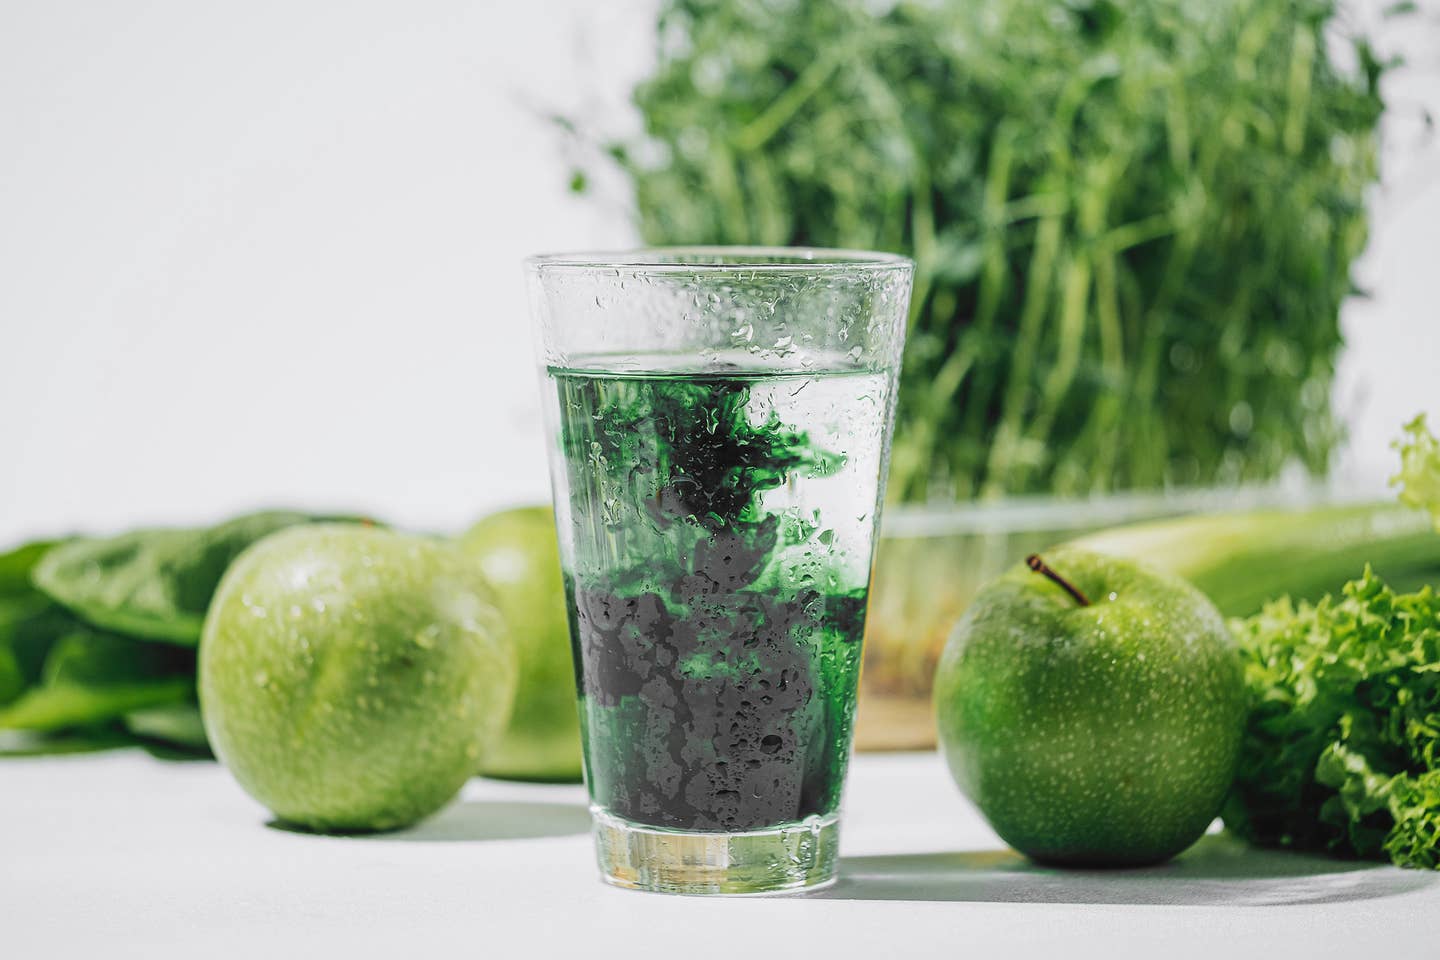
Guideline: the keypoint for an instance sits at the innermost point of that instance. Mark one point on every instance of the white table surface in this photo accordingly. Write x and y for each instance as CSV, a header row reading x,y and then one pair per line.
x,y
120,854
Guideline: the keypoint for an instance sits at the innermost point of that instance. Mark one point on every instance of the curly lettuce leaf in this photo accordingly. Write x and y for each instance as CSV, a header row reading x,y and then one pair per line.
x,y
1342,749
1419,476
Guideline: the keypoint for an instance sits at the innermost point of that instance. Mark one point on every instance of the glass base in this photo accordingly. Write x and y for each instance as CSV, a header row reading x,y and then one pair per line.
x,y
800,856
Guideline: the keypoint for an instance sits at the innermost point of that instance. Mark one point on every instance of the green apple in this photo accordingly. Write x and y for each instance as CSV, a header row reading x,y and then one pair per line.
x,y
517,551
351,677
1092,709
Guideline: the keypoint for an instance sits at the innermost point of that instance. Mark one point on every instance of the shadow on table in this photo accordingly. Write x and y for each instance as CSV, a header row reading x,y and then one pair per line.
x,y
1217,871
483,820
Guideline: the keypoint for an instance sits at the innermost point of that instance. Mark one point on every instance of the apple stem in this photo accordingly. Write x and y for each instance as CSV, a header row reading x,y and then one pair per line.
x,y
1041,567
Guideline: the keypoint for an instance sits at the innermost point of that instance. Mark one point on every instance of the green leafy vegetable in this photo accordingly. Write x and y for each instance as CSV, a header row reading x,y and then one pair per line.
x,y
12,679
27,743
28,630
67,679
90,676
58,673
16,567
1133,223
1419,476
1342,751
178,725
153,584
29,622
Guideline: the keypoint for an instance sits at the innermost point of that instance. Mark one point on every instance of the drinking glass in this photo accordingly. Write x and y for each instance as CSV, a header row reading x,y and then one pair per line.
x,y
720,423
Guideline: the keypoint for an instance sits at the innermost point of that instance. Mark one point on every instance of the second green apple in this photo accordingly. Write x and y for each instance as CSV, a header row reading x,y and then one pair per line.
x,y
1092,708
519,556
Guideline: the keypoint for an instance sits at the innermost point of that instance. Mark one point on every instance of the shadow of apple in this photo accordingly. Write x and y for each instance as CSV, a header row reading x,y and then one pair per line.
x,y
1219,870
471,821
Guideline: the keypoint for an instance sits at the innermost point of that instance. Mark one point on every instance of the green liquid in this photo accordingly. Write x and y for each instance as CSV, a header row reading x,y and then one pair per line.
x,y
720,533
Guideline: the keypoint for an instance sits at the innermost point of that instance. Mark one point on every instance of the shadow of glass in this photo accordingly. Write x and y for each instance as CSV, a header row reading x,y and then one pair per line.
x,y
1217,871
481,820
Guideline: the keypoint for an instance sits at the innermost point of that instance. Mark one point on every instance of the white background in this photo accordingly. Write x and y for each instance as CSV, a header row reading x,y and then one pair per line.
x,y
269,252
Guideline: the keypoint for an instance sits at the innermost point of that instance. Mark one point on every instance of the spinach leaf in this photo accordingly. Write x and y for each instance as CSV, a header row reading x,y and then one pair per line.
x,y
12,682
29,622
153,584
177,725
16,567
89,676
29,627
93,631
29,743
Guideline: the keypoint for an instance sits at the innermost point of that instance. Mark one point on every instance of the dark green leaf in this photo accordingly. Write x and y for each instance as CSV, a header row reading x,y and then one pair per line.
x,y
29,622
17,565
29,628
29,743
178,725
153,584
89,676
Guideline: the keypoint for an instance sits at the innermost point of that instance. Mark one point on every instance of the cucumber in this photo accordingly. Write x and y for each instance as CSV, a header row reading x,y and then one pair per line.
x,y
1242,560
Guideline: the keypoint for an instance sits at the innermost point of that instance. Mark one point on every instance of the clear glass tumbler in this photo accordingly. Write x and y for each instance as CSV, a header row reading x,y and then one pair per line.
x,y
721,421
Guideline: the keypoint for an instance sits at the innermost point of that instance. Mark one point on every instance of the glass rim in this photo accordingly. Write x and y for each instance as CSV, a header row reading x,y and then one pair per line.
x,y
720,259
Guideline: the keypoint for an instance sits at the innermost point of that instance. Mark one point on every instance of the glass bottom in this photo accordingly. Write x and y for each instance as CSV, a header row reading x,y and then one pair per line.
x,y
801,856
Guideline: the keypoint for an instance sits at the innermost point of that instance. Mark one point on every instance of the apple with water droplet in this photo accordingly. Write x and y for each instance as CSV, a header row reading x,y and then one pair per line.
x,y
351,678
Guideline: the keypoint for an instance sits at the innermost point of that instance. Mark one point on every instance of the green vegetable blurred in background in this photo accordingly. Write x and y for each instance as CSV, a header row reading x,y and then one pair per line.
x,y
1133,223
1419,476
